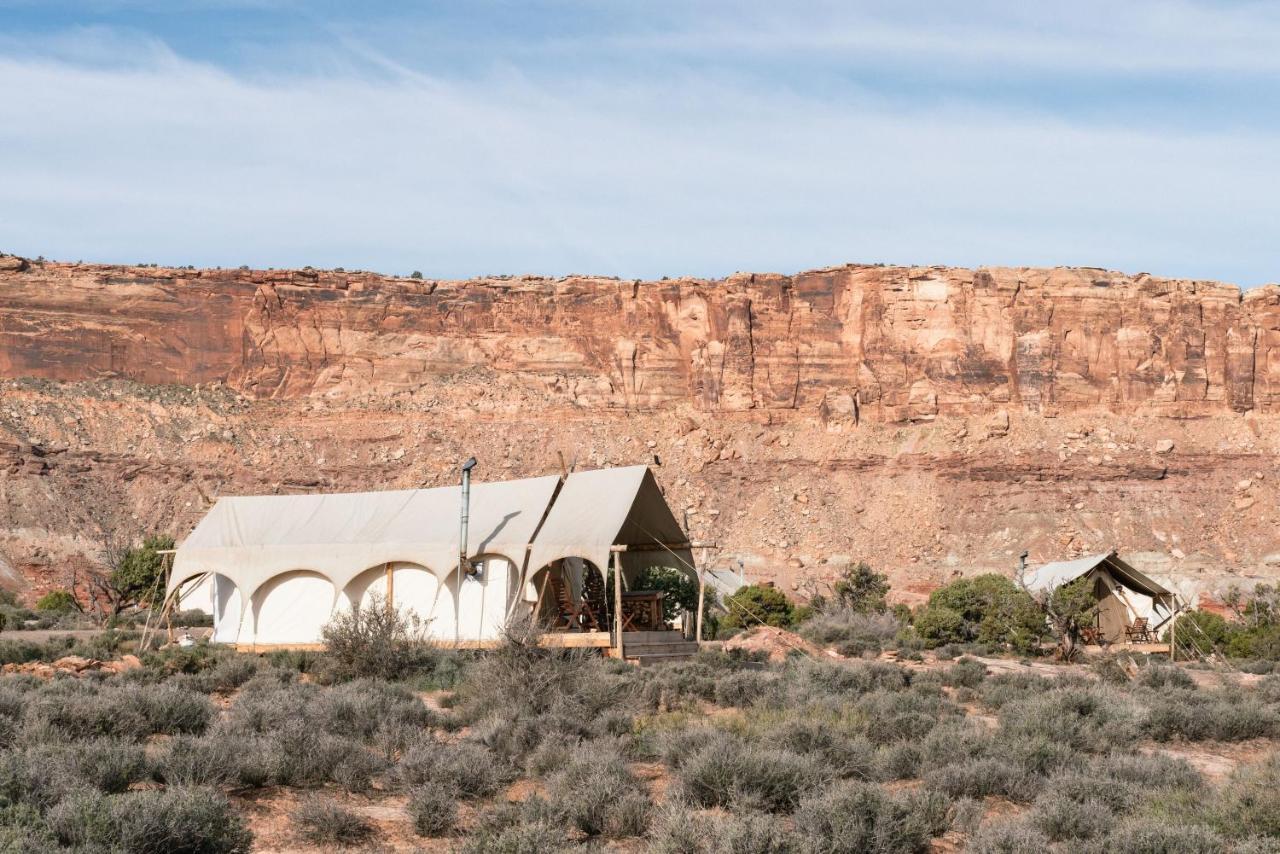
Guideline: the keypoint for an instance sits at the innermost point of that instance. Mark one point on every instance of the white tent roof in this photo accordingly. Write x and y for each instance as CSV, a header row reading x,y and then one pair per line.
x,y
1051,576
250,539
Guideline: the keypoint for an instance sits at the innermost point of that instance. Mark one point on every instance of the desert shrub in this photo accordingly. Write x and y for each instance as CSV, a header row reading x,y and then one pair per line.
x,y
297,756
467,768
837,679
678,830
1248,803
103,764
1109,670
359,709
1259,640
228,674
748,833
989,609
982,778
899,761
80,710
1061,819
27,777
860,817
844,755
206,761
939,626
1268,689
375,640
955,741
733,774
1256,667
677,686
1198,716
171,710
1151,836
23,830
171,821
1161,676
598,795
1089,719
516,828
743,688
265,704
904,715
58,602
326,823
434,810
833,625
1008,837
966,673
677,745
521,680
755,604
1002,688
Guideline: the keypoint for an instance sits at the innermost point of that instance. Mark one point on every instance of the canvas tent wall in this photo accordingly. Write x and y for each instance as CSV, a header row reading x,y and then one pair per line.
x,y
283,564
280,566
1124,594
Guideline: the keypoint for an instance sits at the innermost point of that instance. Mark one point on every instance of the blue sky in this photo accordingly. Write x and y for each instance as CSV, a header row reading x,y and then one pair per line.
x,y
644,139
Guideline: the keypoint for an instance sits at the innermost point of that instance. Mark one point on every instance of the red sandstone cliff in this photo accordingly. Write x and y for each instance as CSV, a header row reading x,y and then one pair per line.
x,y
930,419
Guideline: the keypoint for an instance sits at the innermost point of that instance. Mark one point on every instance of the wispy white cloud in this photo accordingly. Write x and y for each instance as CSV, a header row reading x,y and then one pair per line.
x,y
511,169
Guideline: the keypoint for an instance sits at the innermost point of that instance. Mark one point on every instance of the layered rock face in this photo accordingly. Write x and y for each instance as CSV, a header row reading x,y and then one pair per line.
x,y
931,420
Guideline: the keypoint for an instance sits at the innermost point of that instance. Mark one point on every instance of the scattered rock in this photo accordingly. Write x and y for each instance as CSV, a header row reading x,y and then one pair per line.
x,y
1164,446
998,424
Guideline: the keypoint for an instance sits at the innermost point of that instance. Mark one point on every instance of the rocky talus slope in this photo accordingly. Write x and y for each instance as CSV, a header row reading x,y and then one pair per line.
x,y
931,421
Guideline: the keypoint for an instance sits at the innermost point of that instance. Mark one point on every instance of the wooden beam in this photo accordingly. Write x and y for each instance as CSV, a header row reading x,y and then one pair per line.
x,y
702,592
617,600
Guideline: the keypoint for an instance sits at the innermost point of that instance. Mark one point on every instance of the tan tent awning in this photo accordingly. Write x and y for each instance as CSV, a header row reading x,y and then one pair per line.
x,y
596,510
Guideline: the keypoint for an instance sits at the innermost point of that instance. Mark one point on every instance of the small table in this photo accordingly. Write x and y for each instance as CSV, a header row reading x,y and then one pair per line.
x,y
642,611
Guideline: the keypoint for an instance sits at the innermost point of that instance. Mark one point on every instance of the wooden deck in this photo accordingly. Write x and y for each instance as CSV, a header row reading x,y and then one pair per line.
x,y
1144,648
551,640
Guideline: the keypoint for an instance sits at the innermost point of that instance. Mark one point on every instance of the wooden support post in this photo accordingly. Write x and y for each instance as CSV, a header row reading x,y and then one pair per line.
x,y
1173,641
702,592
391,588
617,601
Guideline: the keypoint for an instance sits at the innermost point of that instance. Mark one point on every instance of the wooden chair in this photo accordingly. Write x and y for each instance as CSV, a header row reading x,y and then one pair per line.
x,y
1091,635
1139,632
570,615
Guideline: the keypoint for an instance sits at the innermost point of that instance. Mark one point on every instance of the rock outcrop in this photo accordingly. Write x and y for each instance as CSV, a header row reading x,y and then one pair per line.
x,y
884,343
932,420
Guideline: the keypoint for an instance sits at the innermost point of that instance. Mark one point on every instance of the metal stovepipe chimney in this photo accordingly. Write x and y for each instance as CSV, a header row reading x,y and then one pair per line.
x,y
464,565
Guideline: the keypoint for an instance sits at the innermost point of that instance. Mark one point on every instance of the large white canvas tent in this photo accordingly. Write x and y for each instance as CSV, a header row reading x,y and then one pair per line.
x,y
280,566
1124,594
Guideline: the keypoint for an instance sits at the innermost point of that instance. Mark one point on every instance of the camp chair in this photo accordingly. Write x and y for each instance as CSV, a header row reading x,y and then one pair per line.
x,y
1139,632
1091,635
